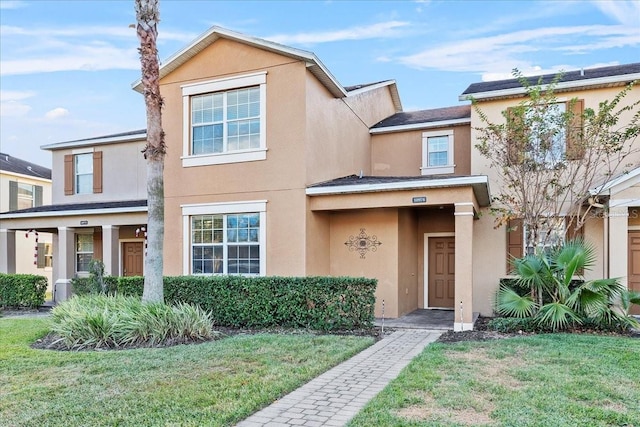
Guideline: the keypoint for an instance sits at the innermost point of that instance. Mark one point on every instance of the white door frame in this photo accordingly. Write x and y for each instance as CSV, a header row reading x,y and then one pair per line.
x,y
425,262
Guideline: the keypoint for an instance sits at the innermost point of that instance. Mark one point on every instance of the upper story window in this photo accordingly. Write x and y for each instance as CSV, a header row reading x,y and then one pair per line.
x,y
545,135
83,172
437,152
24,196
224,121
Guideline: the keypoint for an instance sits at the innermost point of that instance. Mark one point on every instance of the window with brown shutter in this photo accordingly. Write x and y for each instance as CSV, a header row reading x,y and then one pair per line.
x,y
514,242
515,133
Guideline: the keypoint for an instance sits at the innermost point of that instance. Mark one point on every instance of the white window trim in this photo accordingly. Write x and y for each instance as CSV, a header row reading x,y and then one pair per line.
x,y
218,85
190,210
437,170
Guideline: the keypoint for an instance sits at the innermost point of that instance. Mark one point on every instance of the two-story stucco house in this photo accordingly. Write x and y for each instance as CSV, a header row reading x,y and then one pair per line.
x,y
275,168
26,185
98,201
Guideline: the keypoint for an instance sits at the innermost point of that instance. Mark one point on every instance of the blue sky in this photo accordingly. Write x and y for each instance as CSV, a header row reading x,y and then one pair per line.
x,y
66,67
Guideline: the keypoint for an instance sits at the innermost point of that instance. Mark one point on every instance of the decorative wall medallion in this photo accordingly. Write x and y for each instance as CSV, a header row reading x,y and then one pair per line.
x,y
362,243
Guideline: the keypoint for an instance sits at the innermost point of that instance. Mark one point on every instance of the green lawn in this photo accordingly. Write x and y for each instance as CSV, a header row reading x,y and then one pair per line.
x,y
546,380
214,384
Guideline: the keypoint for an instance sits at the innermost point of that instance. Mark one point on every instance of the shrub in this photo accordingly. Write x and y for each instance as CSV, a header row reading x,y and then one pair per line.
x,y
22,290
545,291
320,303
101,321
511,325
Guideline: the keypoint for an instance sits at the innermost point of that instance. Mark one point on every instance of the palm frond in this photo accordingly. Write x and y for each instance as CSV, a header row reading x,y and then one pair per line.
x,y
556,316
509,303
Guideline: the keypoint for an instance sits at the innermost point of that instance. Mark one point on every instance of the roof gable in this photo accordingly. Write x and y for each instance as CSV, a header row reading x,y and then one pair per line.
x,y
214,33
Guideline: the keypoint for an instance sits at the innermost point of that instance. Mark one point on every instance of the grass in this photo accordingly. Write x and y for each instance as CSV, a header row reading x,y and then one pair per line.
x,y
546,380
216,383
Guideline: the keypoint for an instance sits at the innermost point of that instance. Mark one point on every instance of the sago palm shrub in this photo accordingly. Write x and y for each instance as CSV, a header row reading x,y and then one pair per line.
x,y
556,301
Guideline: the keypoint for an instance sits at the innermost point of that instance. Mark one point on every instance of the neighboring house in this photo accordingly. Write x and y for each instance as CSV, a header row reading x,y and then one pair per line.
x,y
98,202
25,185
614,231
274,168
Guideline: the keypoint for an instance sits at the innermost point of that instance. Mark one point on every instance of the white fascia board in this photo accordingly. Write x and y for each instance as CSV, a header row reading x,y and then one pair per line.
x,y
606,188
574,84
370,87
105,211
404,185
94,141
425,125
21,175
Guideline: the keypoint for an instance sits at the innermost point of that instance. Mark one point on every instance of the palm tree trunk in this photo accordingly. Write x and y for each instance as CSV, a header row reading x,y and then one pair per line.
x,y
147,16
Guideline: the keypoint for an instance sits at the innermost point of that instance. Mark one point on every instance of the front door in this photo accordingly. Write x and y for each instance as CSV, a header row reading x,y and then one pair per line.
x,y
441,265
132,258
633,276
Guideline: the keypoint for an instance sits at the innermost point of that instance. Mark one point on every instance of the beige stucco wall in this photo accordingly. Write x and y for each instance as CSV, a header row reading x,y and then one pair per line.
x,y
338,141
408,243
400,153
124,174
381,264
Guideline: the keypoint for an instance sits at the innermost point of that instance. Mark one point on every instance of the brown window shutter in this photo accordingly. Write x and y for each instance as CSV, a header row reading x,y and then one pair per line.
x,y
572,233
40,261
37,195
575,148
515,132
97,245
13,195
97,172
68,174
514,241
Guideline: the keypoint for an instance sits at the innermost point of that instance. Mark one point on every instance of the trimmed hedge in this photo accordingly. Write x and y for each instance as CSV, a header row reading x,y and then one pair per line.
x,y
22,290
319,303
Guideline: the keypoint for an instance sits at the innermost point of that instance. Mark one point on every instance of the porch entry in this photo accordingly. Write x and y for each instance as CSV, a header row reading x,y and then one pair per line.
x,y
633,277
440,256
132,258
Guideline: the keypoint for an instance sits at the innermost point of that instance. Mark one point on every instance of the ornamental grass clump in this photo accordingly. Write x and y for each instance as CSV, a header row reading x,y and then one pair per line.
x,y
101,321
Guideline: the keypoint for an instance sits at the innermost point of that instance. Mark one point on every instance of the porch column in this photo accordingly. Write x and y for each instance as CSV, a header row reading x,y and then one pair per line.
x,y
65,261
618,242
110,249
8,251
463,304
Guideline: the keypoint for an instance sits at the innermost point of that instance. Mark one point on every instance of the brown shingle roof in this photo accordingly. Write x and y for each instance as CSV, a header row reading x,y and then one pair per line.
x,y
426,116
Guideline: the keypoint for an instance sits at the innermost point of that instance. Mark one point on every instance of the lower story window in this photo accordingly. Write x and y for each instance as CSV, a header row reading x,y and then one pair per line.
x,y
84,252
550,234
225,244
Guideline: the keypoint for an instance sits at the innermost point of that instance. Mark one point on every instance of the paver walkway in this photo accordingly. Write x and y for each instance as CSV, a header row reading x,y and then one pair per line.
x,y
336,396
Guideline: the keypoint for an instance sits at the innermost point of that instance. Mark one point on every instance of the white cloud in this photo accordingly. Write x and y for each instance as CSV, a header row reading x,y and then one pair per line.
x,y
13,109
12,4
15,95
10,105
124,32
379,30
56,113
624,12
86,58
497,55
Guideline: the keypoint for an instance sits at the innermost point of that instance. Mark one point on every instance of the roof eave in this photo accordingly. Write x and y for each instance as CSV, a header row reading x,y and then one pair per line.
x,y
393,88
480,185
94,141
560,87
417,126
